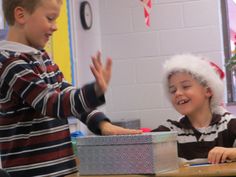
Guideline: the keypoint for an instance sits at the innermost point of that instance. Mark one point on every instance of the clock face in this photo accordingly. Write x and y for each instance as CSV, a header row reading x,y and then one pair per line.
x,y
86,15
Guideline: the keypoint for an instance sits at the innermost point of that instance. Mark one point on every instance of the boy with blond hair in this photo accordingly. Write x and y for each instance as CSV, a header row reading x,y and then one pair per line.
x,y
35,100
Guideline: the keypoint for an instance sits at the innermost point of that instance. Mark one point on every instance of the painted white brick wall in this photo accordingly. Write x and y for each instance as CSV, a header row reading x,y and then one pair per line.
x,y
85,43
138,52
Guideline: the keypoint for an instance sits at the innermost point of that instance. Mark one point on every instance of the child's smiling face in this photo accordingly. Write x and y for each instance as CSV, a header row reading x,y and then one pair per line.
x,y
187,95
41,23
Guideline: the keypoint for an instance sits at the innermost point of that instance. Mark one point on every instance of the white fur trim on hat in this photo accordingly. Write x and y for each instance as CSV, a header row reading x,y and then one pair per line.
x,y
200,68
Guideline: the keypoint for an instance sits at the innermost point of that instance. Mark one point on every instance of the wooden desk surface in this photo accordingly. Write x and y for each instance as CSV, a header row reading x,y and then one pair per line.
x,y
225,169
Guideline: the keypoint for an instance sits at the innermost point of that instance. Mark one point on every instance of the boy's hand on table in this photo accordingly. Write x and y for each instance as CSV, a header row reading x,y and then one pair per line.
x,y
109,129
221,154
101,73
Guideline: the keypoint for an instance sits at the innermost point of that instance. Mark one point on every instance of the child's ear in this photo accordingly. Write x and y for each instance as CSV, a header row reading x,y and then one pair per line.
x,y
209,92
20,14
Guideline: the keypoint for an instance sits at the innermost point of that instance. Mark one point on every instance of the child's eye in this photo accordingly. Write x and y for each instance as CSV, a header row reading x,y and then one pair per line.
x,y
50,18
172,90
186,86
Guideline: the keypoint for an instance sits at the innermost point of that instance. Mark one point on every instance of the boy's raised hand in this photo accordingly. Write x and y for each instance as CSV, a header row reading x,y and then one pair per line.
x,y
101,73
221,154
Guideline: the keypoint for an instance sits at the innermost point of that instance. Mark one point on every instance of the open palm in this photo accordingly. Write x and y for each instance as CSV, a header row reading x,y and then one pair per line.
x,y
102,74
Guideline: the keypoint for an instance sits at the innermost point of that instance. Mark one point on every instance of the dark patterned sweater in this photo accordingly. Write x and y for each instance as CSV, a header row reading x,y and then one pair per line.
x,y
35,101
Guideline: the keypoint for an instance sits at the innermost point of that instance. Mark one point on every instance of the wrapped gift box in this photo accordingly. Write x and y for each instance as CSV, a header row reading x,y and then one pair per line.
x,y
147,153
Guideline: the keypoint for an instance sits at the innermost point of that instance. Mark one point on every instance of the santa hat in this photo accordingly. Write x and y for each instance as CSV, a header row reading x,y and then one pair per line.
x,y
201,69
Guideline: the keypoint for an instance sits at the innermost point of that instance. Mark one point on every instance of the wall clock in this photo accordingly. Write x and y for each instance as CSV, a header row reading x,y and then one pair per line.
x,y
86,15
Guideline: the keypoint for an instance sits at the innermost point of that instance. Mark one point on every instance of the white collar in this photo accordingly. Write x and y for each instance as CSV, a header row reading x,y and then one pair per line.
x,y
17,47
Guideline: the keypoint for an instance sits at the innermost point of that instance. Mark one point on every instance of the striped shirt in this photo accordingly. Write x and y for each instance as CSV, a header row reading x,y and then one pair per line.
x,y
35,101
196,143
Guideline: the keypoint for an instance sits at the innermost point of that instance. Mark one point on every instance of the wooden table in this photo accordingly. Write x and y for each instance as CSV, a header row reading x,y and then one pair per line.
x,y
225,169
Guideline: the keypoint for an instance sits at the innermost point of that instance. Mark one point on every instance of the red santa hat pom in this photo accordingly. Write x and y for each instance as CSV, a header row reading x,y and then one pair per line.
x,y
218,70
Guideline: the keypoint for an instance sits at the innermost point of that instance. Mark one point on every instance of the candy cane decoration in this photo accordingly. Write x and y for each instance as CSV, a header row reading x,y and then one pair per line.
x,y
147,4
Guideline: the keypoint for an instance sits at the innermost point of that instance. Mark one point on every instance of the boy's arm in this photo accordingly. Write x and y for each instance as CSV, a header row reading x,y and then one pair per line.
x,y
99,124
109,129
45,97
93,119
50,95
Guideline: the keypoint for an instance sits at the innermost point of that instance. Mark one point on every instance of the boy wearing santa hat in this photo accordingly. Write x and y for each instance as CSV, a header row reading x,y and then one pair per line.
x,y
195,88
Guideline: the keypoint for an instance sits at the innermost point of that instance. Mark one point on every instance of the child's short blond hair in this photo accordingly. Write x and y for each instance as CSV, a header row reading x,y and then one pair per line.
x,y
8,7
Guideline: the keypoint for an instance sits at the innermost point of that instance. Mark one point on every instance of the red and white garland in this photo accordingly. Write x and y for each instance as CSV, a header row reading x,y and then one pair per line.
x,y
147,4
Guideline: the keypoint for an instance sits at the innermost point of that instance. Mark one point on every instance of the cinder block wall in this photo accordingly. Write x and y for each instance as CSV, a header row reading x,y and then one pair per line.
x,y
138,52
